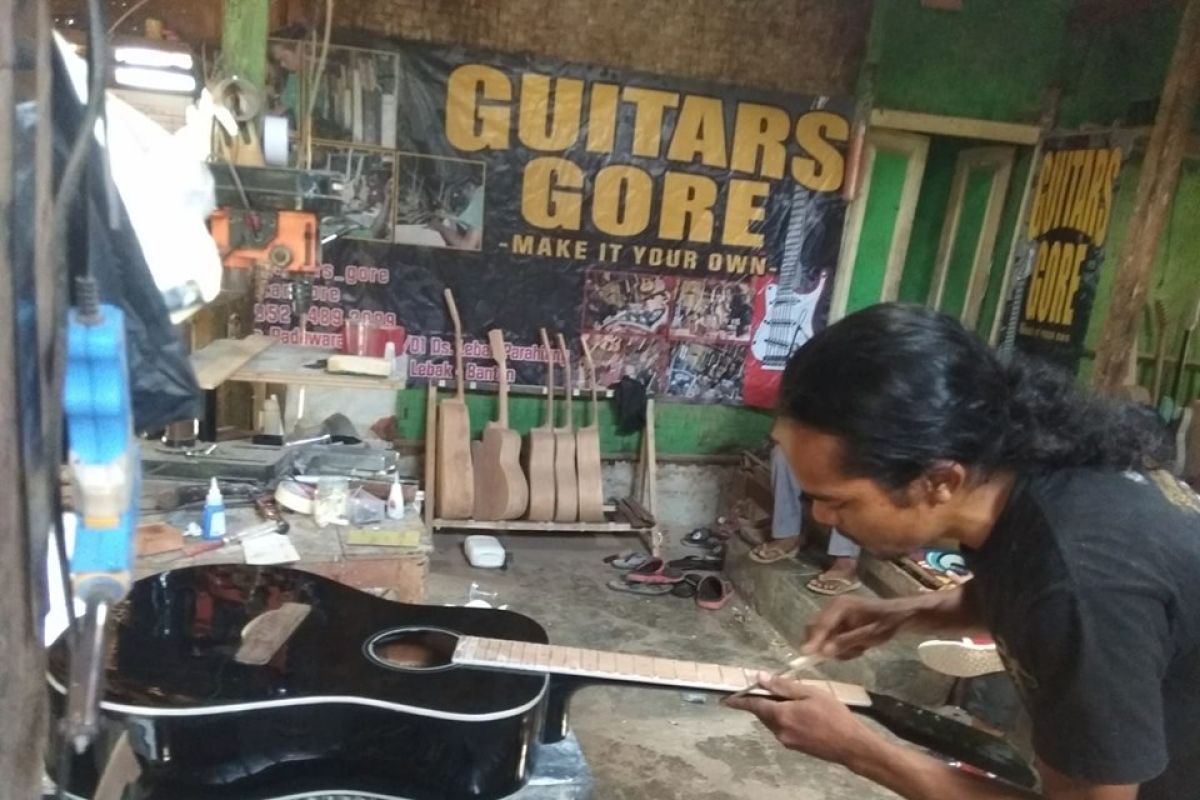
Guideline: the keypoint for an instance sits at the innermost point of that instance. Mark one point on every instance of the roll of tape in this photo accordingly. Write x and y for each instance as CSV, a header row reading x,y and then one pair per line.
x,y
275,140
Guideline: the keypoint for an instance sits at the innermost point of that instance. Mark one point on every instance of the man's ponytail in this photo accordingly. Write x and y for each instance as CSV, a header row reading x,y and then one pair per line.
x,y
905,387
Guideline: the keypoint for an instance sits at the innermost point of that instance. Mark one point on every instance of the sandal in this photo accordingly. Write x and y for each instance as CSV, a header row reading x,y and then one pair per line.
x,y
655,570
626,560
687,586
775,550
647,589
704,563
701,537
832,586
713,593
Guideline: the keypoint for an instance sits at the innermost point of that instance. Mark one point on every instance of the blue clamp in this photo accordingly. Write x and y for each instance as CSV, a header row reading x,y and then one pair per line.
x,y
102,453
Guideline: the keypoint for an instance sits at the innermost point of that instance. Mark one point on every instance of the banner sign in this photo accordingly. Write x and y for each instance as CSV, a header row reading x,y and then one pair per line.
x,y
689,231
1064,245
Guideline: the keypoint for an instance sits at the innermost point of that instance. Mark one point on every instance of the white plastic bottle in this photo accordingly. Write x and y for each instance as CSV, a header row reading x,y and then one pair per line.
x,y
214,513
395,501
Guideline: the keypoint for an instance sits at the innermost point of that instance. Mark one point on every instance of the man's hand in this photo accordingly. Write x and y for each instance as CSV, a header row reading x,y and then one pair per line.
x,y
850,625
811,721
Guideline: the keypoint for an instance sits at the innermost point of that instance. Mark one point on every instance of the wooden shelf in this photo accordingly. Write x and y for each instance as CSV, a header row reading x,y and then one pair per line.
x,y
542,527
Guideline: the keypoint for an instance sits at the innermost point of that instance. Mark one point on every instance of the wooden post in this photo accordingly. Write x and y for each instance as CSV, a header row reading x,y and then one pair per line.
x,y
244,39
1156,188
22,682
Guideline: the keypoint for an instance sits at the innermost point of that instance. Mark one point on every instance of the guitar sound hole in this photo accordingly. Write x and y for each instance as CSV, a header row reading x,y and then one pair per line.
x,y
413,649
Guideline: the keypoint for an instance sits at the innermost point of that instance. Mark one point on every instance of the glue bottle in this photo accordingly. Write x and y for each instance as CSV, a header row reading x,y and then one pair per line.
x,y
214,513
395,501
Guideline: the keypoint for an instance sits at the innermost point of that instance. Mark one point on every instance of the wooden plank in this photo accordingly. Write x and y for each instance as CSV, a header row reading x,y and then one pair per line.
x,y
536,527
965,127
286,363
217,361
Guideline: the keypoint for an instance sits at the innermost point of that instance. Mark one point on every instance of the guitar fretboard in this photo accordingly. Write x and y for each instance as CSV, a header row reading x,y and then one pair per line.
x,y
602,665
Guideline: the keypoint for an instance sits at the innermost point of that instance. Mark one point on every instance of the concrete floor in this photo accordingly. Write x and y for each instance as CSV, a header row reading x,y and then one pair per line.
x,y
646,744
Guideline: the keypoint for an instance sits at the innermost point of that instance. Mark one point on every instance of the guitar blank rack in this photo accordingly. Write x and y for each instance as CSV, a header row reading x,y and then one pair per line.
x,y
645,488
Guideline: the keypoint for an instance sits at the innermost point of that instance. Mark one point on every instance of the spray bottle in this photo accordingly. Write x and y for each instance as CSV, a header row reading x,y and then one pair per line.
x,y
214,512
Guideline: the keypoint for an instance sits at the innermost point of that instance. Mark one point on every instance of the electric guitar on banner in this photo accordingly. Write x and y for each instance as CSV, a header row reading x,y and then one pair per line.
x,y
783,317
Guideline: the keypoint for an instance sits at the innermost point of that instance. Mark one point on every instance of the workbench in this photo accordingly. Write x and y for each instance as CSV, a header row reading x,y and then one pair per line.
x,y
394,572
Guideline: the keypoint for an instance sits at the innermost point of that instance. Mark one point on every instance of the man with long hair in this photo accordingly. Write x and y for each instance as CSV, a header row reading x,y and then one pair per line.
x,y
904,428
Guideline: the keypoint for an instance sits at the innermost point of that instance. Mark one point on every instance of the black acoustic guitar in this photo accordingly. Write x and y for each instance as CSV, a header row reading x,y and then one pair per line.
x,y
244,682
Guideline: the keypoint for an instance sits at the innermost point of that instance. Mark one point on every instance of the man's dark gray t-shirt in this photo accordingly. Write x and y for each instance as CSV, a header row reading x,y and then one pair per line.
x,y
1090,584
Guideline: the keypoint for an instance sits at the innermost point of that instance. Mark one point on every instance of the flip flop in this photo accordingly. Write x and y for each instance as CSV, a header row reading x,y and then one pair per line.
x,y
705,563
687,586
768,552
701,537
626,560
655,570
646,589
713,593
832,587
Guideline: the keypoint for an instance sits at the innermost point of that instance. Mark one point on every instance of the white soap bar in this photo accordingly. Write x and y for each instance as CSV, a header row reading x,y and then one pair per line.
x,y
360,365
484,551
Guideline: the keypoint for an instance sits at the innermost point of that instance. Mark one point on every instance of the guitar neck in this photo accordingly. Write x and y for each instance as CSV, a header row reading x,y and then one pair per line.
x,y
605,666
549,422
496,341
562,345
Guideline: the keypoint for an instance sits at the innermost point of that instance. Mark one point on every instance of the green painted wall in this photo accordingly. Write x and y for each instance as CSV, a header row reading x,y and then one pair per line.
x,y
1110,67
992,60
879,226
1176,280
680,428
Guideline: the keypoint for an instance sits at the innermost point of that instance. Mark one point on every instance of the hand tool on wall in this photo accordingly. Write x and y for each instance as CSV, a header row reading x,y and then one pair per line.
x,y
106,473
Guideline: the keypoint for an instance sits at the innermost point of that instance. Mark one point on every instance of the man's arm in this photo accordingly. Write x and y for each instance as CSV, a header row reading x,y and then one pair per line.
x,y
850,625
815,722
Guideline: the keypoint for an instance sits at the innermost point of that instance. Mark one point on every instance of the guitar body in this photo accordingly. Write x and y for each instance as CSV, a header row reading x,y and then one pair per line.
x,y
539,466
566,487
324,714
786,324
782,320
455,484
501,491
591,486
236,682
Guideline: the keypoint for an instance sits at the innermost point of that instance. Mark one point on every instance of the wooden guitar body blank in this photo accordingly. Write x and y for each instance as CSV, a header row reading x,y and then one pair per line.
x,y
501,491
566,487
587,454
539,451
455,493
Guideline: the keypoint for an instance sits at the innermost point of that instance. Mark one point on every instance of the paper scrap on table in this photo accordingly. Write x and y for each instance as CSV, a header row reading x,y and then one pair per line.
x,y
384,538
270,548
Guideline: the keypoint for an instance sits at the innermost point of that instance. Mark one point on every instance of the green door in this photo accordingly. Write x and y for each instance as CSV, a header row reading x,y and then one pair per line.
x,y
969,231
879,221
